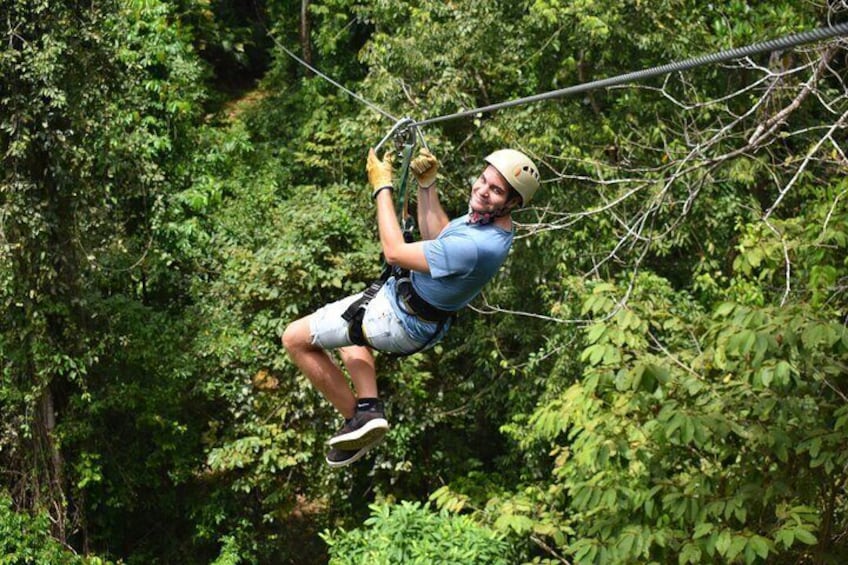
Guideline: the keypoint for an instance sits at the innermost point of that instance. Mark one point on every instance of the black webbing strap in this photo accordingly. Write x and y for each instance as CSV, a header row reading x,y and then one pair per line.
x,y
417,305
356,311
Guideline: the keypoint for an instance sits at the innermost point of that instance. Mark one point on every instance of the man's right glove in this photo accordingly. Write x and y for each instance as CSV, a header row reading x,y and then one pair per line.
x,y
425,167
379,172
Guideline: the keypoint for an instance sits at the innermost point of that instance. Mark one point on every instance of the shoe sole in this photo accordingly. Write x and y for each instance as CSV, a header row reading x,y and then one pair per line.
x,y
368,435
356,457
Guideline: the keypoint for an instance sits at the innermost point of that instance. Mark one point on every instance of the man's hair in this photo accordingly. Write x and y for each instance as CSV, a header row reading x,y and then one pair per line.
x,y
515,194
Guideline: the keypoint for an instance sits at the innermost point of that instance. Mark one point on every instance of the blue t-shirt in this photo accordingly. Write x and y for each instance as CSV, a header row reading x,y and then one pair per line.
x,y
462,259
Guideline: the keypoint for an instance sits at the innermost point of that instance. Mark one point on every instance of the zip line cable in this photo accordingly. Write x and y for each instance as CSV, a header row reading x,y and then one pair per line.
x,y
318,72
720,57
778,44
330,80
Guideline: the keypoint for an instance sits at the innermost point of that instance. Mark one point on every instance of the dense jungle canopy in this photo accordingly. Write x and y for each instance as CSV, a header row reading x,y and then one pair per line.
x,y
658,375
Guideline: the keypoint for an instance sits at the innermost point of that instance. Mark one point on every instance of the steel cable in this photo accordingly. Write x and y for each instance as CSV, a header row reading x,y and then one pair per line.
x,y
722,56
330,80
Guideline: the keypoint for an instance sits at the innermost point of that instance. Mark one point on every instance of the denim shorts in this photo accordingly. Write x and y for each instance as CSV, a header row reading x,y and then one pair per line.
x,y
382,328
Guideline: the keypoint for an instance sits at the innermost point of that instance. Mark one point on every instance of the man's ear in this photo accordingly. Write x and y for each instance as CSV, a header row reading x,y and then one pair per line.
x,y
514,202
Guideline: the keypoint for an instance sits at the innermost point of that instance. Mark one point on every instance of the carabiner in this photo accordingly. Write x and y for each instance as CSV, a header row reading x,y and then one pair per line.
x,y
401,127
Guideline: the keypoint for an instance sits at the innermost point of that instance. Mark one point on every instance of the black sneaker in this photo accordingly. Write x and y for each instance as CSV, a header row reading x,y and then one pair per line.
x,y
340,457
365,430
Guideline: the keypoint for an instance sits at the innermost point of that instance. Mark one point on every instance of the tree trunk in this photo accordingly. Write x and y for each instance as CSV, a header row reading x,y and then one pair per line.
x,y
55,471
305,32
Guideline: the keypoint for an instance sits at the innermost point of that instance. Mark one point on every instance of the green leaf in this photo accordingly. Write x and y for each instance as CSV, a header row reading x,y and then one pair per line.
x,y
759,545
737,545
702,529
805,536
690,553
595,332
725,538
786,536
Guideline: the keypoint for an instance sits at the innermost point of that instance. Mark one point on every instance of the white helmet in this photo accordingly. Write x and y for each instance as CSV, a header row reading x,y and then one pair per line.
x,y
518,170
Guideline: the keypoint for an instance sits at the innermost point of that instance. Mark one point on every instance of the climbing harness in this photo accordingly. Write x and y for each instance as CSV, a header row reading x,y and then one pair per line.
x,y
404,139
404,136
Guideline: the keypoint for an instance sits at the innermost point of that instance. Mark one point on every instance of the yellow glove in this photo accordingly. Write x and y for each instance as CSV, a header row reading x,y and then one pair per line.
x,y
379,172
425,167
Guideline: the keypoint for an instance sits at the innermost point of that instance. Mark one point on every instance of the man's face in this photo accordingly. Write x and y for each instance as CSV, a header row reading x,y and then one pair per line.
x,y
490,191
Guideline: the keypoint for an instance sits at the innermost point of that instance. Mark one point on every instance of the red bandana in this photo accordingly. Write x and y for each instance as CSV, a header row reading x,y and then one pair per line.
x,y
481,218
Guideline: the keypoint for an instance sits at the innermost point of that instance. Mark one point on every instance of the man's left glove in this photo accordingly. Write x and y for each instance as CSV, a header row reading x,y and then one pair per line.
x,y
379,172
425,167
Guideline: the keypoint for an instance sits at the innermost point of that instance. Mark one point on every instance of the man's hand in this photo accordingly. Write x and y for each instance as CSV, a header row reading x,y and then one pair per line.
x,y
425,167
379,172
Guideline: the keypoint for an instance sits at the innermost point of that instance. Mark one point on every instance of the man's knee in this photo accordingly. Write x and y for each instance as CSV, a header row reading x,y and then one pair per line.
x,y
296,335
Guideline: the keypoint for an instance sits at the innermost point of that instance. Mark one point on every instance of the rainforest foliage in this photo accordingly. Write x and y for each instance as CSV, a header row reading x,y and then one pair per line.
x,y
659,374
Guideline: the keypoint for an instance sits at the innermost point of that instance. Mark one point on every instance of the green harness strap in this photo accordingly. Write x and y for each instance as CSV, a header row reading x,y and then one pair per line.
x,y
404,134
407,223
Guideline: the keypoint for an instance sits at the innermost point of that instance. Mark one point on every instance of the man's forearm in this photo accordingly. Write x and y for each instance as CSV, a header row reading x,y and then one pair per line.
x,y
431,216
391,236
395,250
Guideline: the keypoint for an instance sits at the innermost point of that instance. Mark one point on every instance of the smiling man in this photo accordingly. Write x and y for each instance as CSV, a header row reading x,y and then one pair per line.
x,y
413,309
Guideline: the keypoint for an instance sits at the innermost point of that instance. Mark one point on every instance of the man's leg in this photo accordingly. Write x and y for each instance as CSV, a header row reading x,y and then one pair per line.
x,y
359,362
364,427
316,364
369,424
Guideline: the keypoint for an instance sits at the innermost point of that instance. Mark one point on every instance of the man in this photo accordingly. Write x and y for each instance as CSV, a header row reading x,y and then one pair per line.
x,y
447,269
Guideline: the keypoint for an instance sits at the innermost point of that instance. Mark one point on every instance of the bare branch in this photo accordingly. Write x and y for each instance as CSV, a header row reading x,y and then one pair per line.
x,y
768,127
839,124
646,204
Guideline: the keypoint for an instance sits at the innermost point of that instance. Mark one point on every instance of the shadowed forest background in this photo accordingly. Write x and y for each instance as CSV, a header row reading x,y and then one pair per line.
x,y
658,375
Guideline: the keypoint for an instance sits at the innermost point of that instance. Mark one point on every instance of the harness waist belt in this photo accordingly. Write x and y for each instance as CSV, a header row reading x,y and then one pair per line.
x,y
418,306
